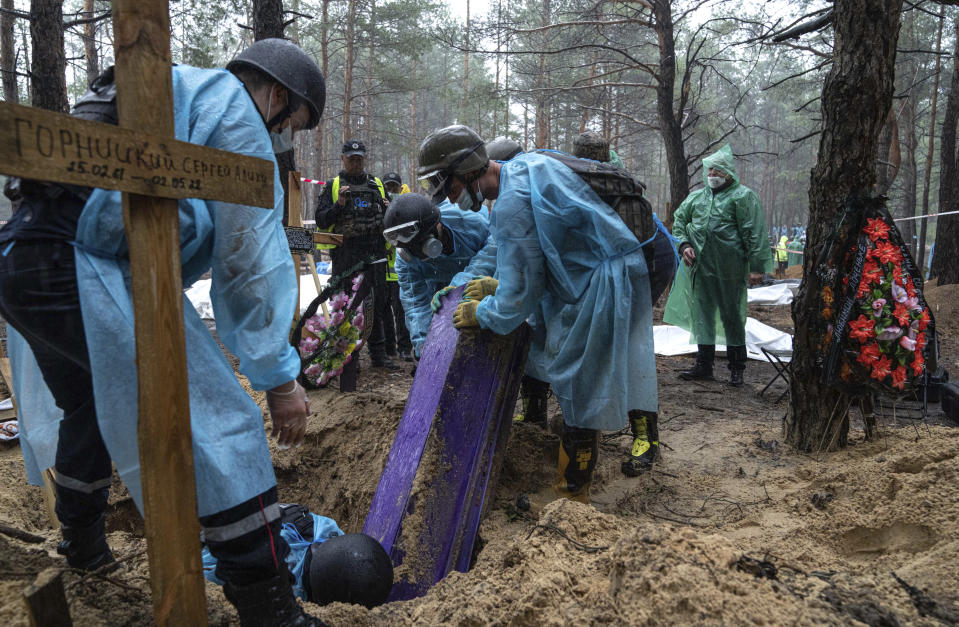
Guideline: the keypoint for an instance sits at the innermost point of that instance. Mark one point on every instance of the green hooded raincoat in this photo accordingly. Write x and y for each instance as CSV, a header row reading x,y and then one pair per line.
x,y
727,230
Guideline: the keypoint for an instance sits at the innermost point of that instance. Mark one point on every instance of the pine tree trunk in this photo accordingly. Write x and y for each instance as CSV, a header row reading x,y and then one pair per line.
x,y
944,266
49,85
855,100
926,184
267,19
320,135
670,122
90,42
267,23
542,84
8,54
348,71
909,170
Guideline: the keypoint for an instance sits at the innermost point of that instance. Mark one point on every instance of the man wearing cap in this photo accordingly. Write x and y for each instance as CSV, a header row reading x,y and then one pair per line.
x,y
395,185
394,322
352,204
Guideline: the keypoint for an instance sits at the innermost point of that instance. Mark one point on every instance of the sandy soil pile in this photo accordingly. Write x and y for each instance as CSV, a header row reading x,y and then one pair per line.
x,y
944,303
730,528
794,272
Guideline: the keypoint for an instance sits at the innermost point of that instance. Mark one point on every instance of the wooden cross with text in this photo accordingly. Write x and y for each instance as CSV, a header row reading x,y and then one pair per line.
x,y
142,159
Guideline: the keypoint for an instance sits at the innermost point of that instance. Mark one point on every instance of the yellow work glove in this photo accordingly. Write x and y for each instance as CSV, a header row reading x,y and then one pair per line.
x,y
480,288
436,303
465,314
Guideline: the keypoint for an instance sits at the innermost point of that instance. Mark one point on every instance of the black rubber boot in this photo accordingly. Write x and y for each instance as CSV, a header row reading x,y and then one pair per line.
x,y
533,394
269,603
86,547
737,363
578,450
645,451
383,361
703,370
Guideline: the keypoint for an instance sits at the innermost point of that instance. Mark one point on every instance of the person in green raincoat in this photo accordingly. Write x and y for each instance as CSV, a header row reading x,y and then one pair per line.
x,y
722,235
794,256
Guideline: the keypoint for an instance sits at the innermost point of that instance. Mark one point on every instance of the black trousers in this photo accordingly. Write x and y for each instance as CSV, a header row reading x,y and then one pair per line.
x,y
39,297
394,326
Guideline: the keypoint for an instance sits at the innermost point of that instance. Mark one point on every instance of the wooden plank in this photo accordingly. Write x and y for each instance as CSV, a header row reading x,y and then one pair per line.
x,y
49,146
293,218
46,601
327,238
428,505
142,44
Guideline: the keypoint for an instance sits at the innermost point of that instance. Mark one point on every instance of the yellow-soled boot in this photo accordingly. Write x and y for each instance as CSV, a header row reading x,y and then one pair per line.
x,y
578,450
645,450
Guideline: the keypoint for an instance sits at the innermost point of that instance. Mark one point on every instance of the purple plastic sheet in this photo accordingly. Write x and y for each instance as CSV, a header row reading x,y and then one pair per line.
x,y
463,394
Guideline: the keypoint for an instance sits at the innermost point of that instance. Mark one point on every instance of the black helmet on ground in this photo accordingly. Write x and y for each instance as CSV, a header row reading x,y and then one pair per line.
x,y
353,568
290,66
503,149
410,224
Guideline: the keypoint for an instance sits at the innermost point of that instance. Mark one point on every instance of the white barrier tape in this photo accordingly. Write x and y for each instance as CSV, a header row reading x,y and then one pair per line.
x,y
312,181
931,215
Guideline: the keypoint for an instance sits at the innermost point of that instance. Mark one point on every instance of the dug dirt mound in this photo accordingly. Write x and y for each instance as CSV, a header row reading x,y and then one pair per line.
x,y
944,303
576,565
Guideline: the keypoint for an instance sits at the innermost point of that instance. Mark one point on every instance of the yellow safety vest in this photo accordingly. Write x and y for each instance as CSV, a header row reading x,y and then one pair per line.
x,y
391,250
335,192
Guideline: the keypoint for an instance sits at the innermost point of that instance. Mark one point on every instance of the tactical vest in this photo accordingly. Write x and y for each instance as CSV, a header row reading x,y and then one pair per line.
x,y
617,188
364,216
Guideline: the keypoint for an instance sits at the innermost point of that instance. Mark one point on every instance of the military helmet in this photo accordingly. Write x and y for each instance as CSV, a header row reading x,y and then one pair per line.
x,y
290,66
452,151
503,149
591,145
352,568
410,220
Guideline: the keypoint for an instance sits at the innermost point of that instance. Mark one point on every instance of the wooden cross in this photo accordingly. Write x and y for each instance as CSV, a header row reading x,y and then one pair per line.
x,y
142,159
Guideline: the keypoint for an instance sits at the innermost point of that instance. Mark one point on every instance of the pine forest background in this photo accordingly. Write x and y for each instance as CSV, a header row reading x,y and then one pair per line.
x,y
666,81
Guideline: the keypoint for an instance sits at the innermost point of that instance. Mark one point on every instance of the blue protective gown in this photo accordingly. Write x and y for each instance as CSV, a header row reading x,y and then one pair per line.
x,y
253,293
420,279
566,258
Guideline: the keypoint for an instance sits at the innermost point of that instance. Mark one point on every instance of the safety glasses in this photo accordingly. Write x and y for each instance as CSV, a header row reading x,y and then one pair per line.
x,y
434,183
402,233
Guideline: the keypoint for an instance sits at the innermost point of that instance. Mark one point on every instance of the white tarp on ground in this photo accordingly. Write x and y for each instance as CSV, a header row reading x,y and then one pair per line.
x,y
670,340
199,294
776,294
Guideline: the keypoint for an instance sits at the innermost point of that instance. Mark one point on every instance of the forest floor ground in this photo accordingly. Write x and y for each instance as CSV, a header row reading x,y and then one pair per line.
x,y
730,528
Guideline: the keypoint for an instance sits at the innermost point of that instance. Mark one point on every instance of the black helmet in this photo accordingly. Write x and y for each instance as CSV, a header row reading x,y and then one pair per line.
x,y
410,220
392,177
353,568
503,149
291,67
452,151
591,145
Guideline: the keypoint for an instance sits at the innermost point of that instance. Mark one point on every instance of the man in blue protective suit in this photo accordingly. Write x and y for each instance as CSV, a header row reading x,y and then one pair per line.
x,y
64,286
661,261
566,259
434,243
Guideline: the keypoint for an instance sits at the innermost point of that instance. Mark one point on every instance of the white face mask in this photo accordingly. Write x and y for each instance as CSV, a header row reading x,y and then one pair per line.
x,y
716,181
282,141
465,201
